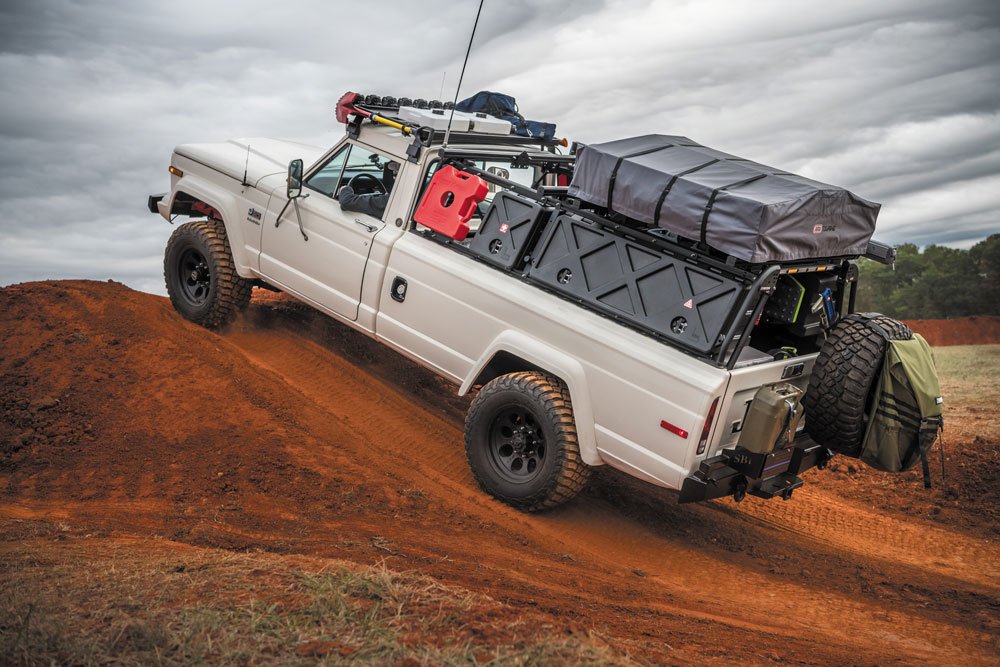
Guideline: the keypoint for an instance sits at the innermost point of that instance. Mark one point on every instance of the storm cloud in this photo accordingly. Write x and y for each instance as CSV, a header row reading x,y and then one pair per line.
x,y
896,100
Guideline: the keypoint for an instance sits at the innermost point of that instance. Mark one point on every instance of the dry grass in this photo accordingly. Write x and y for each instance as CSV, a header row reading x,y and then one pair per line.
x,y
970,384
72,599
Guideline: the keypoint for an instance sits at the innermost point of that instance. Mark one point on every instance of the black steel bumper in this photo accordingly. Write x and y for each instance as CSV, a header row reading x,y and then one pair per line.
x,y
153,200
737,472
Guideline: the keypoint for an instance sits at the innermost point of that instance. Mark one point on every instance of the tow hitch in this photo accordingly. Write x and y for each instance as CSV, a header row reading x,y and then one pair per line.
x,y
738,472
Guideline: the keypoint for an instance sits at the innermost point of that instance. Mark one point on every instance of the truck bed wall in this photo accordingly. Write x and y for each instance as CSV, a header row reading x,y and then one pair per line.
x,y
457,311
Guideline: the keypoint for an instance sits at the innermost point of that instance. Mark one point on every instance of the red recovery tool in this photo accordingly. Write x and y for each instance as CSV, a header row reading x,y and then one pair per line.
x,y
450,201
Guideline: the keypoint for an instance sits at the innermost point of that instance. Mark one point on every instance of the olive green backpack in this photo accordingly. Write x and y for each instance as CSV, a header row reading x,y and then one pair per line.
x,y
906,411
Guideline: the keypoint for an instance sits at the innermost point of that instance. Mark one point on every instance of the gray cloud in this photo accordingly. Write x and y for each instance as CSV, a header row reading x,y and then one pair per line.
x,y
897,100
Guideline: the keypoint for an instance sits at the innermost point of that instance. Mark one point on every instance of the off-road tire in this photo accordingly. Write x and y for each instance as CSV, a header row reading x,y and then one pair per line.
x,y
842,385
561,473
225,292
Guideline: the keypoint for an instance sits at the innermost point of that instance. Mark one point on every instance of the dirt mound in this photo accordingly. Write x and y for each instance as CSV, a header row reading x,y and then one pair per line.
x,y
959,331
293,434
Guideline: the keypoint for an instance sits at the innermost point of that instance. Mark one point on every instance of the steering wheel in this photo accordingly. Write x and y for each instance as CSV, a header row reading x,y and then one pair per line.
x,y
378,184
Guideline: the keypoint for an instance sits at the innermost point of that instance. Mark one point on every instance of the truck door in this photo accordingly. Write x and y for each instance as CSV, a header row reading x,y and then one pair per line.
x,y
318,250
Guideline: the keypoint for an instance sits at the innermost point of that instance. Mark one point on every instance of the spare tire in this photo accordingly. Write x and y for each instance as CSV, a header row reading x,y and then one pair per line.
x,y
842,384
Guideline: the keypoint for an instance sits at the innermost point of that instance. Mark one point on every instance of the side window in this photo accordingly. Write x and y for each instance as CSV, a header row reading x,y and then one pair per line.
x,y
366,171
431,170
504,169
327,179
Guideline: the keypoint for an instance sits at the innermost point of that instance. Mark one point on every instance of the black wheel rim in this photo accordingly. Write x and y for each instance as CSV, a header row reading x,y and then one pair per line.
x,y
194,277
516,445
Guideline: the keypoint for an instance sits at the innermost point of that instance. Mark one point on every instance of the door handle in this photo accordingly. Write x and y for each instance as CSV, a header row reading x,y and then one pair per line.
x,y
364,224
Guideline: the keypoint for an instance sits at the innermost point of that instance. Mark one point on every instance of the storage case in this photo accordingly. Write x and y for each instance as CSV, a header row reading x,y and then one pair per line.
x,y
486,124
508,228
611,273
436,118
462,122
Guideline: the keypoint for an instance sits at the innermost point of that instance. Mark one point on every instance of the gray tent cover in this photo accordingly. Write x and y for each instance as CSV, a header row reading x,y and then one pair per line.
x,y
755,213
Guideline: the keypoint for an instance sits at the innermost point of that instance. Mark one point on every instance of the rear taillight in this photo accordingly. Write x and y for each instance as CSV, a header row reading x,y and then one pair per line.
x,y
707,428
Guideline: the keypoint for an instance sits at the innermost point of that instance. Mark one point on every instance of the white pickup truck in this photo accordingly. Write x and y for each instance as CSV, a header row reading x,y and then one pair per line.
x,y
567,377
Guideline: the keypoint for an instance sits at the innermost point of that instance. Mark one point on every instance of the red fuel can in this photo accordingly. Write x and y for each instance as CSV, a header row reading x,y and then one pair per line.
x,y
450,201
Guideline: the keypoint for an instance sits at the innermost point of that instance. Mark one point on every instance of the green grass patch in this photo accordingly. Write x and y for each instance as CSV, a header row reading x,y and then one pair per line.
x,y
970,384
976,364
84,601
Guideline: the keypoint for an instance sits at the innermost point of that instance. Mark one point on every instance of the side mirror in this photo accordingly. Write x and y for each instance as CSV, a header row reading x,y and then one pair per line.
x,y
294,188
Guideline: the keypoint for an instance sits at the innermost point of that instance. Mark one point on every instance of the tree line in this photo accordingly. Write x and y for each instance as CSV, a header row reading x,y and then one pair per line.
x,y
936,282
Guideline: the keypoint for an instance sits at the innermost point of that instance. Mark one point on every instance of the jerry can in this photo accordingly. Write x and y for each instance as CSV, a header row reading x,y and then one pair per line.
x,y
449,202
773,415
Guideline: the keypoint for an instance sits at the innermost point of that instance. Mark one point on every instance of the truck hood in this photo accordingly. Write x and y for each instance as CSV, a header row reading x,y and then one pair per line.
x,y
265,156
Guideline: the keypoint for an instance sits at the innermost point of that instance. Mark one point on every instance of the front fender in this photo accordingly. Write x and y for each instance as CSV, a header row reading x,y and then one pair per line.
x,y
567,368
227,204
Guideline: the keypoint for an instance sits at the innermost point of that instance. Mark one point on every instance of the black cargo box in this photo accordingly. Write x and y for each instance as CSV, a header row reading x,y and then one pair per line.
x,y
687,304
509,227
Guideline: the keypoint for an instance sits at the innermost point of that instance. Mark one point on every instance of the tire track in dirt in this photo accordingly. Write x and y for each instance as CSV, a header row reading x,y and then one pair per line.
x,y
391,421
824,517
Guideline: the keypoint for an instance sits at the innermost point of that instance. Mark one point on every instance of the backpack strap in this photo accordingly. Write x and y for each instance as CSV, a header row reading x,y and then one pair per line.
x,y
927,425
927,470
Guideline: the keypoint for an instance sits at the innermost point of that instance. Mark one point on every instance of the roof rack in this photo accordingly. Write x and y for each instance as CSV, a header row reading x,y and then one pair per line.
x,y
493,139
354,108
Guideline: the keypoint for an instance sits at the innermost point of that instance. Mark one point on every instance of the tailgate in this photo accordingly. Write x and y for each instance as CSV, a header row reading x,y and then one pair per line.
x,y
744,383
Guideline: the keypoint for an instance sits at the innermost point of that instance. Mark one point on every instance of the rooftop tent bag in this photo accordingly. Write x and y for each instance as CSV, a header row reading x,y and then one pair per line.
x,y
744,209
505,107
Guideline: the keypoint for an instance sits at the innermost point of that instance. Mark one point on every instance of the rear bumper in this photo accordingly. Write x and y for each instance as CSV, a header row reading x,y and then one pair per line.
x,y
737,472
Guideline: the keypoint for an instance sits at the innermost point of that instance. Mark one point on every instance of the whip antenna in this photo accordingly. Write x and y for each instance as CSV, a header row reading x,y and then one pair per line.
x,y
246,166
447,132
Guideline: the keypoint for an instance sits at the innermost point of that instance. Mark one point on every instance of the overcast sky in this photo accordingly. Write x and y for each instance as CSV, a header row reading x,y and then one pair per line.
x,y
898,100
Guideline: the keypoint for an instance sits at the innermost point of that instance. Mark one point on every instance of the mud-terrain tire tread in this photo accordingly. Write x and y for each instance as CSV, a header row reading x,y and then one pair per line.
x,y
229,293
837,401
551,395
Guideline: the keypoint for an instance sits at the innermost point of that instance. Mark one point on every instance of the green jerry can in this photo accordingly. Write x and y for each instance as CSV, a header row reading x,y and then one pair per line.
x,y
773,415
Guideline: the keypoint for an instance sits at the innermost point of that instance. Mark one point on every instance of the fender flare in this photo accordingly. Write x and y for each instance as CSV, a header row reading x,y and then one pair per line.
x,y
226,204
549,359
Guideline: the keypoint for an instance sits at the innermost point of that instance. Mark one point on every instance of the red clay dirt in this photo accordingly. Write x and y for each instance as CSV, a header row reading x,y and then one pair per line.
x,y
981,330
293,434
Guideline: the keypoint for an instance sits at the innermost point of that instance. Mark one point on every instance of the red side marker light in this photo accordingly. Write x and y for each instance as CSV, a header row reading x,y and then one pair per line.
x,y
676,430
